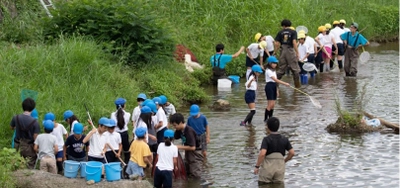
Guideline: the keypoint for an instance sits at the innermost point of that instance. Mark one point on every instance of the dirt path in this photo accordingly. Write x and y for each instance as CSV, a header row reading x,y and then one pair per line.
x,y
41,179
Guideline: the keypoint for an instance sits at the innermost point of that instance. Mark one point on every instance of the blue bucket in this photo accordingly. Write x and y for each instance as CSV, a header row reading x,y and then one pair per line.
x,y
235,79
113,171
71,168
83,169
93,171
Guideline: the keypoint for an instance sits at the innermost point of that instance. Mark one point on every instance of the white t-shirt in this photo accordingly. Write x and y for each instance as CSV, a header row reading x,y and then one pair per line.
x,y
253,85
72,127
320,38
310,42
96,144
336,32
303,50
268,74
327,40
345,29
270,43
170,109
127,117
113,139
136,114
161,116
46,144
255,51
141,123
58,132
166,156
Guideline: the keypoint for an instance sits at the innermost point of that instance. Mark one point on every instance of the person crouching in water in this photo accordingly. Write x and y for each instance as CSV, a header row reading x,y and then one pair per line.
x,y
250,96
140,155
271,87
46,146
270,164
167,161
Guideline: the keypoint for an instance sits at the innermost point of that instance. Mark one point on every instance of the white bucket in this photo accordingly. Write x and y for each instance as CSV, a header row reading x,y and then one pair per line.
x,y
224,83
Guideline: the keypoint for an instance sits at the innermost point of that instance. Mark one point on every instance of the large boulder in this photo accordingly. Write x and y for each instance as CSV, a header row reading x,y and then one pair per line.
x,y
221,104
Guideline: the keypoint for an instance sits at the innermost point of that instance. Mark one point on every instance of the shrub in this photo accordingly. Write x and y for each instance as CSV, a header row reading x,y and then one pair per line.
x,y
11,161
128,29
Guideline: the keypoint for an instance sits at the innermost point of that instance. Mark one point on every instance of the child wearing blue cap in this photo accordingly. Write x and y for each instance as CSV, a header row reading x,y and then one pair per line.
x,y
114,142
121,117
71,119
200,124
250,95
59,131
74,147
140,155
167,155
97,140
46,147
168,107
162,123
136,112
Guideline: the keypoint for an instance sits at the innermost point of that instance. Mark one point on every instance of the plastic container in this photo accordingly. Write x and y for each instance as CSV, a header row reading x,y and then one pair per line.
x,y
113,171
83,169
224,83
235,79
71,168
93,171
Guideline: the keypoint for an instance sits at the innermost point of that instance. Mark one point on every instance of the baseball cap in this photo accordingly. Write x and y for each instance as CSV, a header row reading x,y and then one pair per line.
x,y
35,114
140,131
78,128
194,110
49,116
120,101
142,96
163,99
354,24
68,114
48,125
145,110
169,133
104,121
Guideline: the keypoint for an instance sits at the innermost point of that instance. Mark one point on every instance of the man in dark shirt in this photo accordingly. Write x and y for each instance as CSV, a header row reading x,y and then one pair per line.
x,y
271,162
285,40
27,129
193,155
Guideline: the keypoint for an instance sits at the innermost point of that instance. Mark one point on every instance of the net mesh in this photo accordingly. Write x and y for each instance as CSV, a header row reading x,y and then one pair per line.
x,y
25,93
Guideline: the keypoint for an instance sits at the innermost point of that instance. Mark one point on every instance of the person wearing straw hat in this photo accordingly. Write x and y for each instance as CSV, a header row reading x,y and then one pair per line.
x,y
26,130
342,25
121,117
97,140
59,132
255,54
74,147
141,155
219,61
311,47
286,41
271,90
337,32
250,95
46,147
303,51
353,40
270,164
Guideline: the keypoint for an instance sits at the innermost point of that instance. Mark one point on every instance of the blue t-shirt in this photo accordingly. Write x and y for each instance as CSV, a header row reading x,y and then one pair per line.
x,y
76,148
350,39
223,60
198,124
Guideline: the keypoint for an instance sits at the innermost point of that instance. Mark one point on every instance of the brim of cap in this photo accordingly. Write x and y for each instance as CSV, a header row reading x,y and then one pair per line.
x,y
77,132
193,114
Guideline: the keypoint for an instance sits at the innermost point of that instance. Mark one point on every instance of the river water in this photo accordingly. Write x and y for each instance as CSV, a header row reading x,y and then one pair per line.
x,y
322,159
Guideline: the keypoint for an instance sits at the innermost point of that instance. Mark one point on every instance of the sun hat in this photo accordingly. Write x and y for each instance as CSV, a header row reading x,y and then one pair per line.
x,y
301,36
145,110
321,28
152,106
48,125
163,98
257,36
194,110
262,44
342,21
140,131
335,22
142,96
168,133
49,116
328,26
256,68
272,59
35,114
78,128
68,114
120,101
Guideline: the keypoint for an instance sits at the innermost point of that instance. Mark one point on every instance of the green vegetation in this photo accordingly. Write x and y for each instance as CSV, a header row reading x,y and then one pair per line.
x,y
11,161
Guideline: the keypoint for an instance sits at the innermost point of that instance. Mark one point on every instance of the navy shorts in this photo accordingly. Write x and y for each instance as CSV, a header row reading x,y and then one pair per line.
x,y
250,96
270,90
250,63
162,178
60,154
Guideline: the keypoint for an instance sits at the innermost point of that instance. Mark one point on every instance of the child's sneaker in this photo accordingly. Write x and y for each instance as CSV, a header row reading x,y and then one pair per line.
x,y
242,123
133,176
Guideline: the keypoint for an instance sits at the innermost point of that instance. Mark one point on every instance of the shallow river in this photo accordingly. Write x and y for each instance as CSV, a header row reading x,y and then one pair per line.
x,y
322,159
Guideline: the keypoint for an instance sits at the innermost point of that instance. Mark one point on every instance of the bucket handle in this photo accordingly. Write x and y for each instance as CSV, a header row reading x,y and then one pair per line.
x,y
87,173
120,169
79,166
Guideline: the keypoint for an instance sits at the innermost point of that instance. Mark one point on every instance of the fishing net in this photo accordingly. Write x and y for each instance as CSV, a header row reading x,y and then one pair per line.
x,y
315,102
301,28
309,67
25,93
364,57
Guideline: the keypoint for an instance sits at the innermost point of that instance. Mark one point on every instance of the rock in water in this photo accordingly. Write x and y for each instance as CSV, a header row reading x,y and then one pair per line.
x,y
221,104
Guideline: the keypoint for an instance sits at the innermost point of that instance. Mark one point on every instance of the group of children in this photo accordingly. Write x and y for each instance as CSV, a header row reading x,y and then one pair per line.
x,y
110,142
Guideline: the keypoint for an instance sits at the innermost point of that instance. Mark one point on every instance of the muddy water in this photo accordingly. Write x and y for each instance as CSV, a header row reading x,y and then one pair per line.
x,y
322,159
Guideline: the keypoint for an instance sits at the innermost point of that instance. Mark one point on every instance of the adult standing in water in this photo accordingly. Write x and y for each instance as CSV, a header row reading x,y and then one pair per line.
x,y
219,61
285,40
354,41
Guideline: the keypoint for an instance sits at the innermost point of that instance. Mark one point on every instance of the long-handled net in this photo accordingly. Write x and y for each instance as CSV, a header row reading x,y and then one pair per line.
x,y
364,56
314,101
25,93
